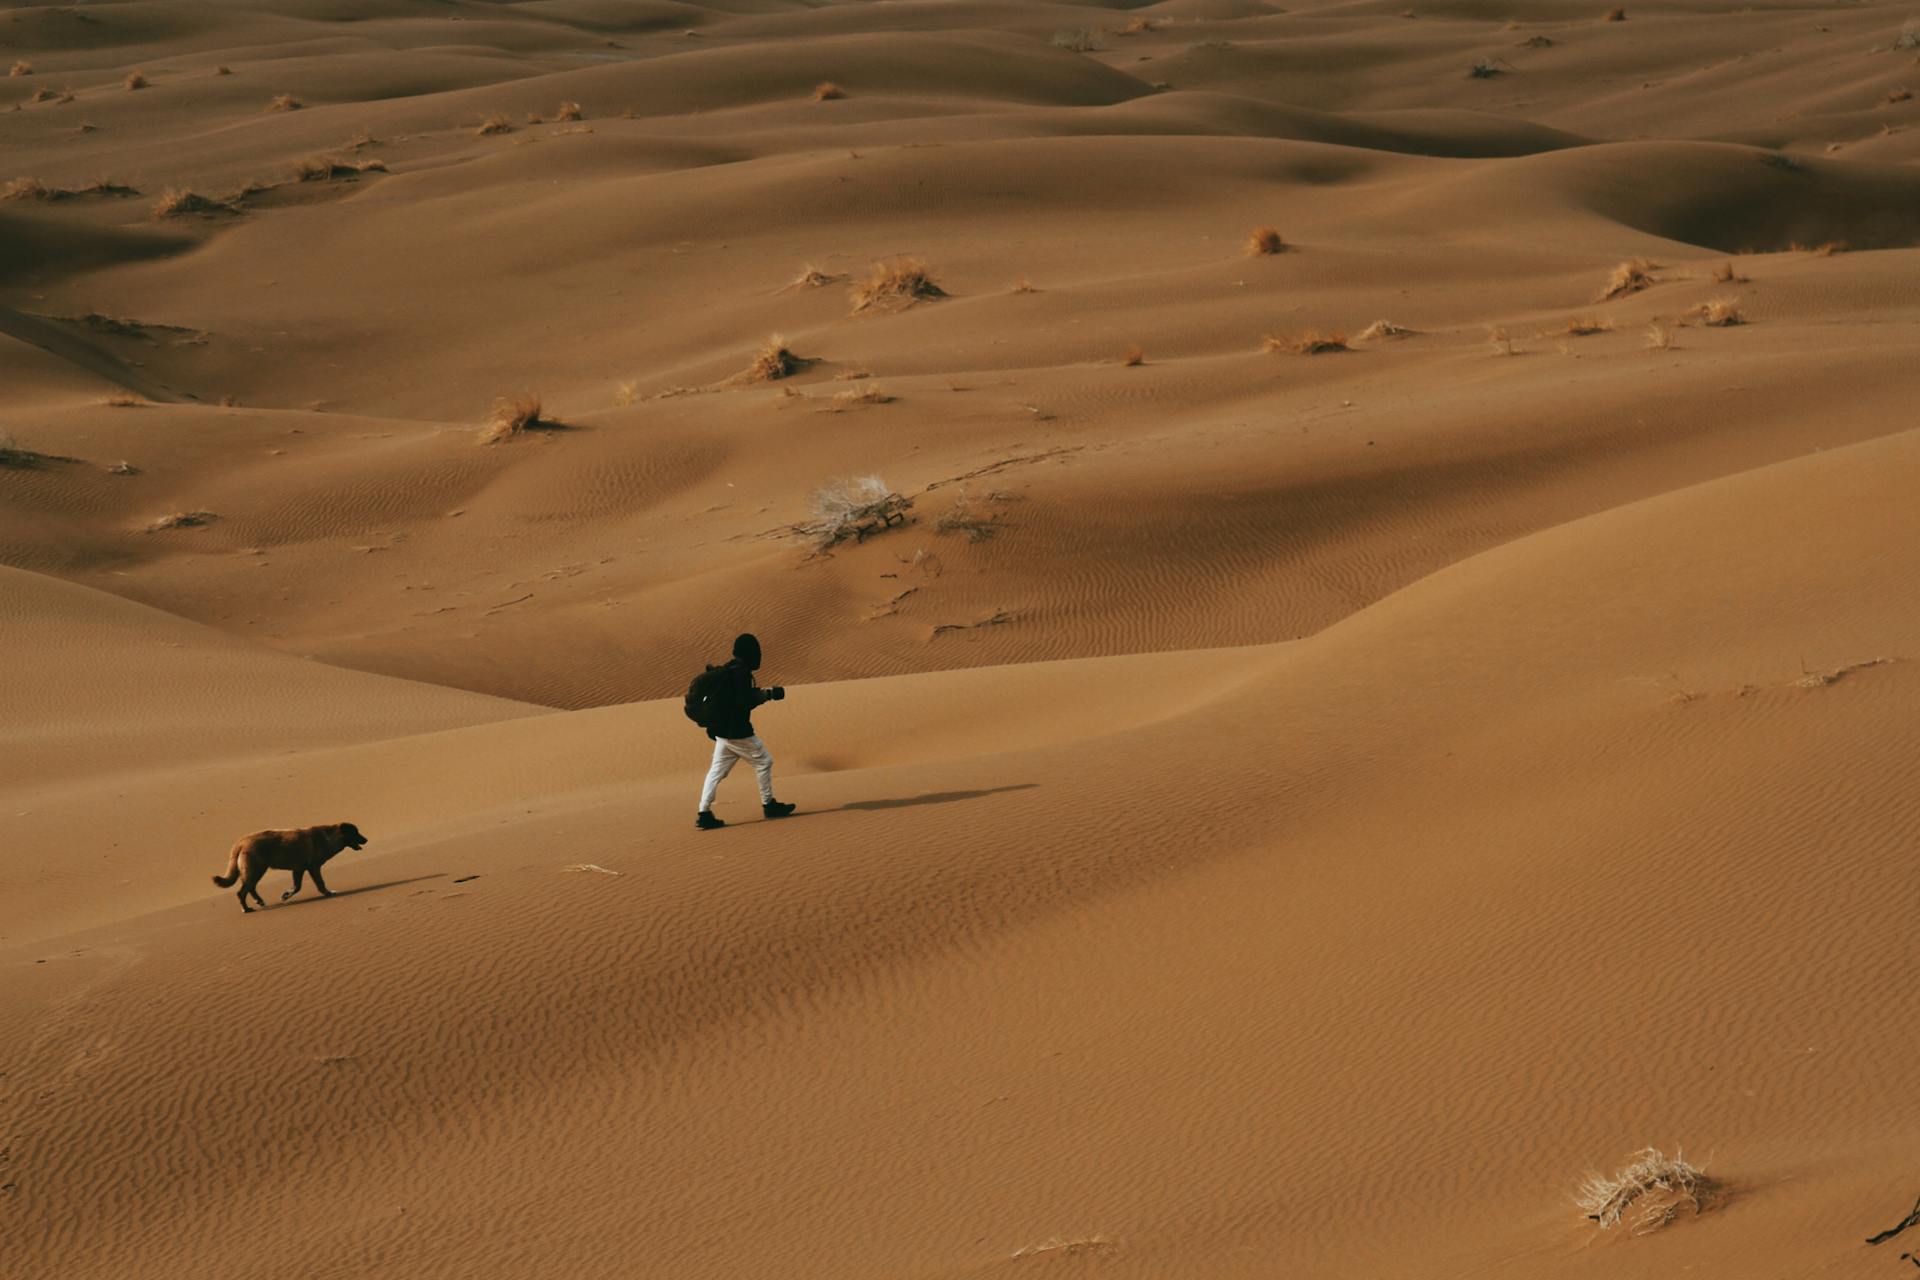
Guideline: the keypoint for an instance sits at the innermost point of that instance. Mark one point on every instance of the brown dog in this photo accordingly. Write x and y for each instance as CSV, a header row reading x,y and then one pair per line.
x,y
301,852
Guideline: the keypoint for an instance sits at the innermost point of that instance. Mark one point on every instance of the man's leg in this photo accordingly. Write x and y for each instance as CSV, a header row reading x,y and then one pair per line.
x,y
723,758
755,753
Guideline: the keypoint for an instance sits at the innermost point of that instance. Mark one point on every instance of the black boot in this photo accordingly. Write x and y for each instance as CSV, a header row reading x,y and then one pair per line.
x,y
775,809
707,822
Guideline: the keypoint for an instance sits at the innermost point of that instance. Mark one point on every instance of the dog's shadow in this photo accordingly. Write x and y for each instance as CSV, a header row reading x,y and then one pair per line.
x,y
308,895
932,797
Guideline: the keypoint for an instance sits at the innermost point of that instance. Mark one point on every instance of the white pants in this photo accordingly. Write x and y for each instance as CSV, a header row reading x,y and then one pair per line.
x,y
728,750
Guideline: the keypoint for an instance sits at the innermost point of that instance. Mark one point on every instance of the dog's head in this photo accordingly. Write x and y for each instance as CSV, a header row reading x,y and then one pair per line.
x,y
349,836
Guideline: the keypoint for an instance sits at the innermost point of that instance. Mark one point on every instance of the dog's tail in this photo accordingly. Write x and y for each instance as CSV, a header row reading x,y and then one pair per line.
x,y
233,870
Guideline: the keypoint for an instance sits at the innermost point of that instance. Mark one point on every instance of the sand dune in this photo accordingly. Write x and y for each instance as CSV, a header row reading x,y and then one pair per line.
x,y
1260,813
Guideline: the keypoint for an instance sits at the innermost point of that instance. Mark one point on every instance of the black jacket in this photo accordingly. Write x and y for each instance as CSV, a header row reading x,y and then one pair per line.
x,y
733,702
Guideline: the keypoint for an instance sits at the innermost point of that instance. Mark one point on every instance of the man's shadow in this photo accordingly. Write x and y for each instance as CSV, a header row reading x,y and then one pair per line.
x,y
932,797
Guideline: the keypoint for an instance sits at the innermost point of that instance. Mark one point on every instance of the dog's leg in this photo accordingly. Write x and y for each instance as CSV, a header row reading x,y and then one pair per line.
x,y
320,884
242,895
298,872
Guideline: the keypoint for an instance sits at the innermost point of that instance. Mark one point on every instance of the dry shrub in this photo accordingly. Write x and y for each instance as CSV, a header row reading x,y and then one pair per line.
x,y
21,67
1825,249
1721,313
44,94
30,189
1133,356
1501,341
827,91
1726,274
1629,277
1659,336
1265,240
1309,342
859,397
898,282
124,400
1909,37
136,79
1139,26
570,111
1585,326
285,102
964,517
1535,42
495,123
774,361
514,416
223,71
1483,69
178,202
1074,40
1899,95
123,468
855,508
182,520
1380,329
1024,285
1654,1187
361,141
628,394
327,168
1616,15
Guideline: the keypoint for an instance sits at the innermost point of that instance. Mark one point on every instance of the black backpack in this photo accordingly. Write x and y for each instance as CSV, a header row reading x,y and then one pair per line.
x,y
703,696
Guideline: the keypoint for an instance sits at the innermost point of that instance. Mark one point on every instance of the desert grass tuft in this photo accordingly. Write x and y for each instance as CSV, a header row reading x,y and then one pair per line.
x,y
1616,15
223,70
15,457
569,111
1140,26
21,67
495,123
182,520
30,189
124,400
1825,249
810,277
1382,329
136,79
1898,95
514,416
1652,1187
773,362
1660,336
1721,313
1024,285
286,102
1501,341
827,91
328,168
898,282
1074,40
1264,241
1629,277
1133,356
1725,273
1535,42
1586,326
1909,37
859,397
1308,342
1484,69
178,202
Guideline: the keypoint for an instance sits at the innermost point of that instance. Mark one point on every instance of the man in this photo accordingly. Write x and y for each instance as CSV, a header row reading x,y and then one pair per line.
x,y
721,701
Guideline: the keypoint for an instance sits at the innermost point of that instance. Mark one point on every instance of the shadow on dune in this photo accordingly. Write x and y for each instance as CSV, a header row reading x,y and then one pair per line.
x,y
308,895
932,797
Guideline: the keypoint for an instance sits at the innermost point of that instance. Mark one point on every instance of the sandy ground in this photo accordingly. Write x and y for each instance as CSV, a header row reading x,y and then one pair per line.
x,y
1261,813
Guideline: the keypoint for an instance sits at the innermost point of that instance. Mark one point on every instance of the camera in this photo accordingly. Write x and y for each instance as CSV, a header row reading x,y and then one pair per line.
x,y
776,693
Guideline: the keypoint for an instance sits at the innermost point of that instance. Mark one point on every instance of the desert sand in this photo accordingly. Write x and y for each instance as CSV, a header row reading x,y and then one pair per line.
x,y
1346,732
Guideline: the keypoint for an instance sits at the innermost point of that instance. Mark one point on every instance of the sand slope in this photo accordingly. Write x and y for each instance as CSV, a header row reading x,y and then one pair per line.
x,y
1260,814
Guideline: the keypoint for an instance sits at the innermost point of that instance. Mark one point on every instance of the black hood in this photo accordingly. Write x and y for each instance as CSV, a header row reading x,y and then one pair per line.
x,y
746,651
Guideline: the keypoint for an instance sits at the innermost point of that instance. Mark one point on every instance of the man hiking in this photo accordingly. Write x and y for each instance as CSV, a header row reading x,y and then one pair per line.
x,y
721,701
